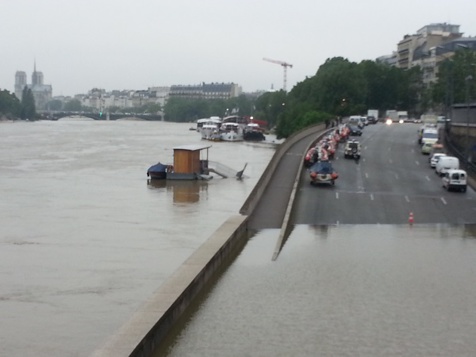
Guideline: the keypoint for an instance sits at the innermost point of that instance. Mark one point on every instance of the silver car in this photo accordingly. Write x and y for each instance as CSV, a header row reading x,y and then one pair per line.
x,y
434,159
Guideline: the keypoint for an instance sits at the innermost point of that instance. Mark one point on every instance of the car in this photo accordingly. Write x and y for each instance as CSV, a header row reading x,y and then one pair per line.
x,y
372,120
446,163
352,150
455,180
426,148
434,159
354,130
322,172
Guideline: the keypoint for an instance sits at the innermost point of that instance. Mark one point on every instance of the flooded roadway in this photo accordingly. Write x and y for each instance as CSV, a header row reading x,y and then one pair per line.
x,y
347,290
379,289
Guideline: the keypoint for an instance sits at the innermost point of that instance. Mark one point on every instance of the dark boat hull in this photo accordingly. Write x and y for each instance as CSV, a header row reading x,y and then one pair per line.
x,y
157,172
254,136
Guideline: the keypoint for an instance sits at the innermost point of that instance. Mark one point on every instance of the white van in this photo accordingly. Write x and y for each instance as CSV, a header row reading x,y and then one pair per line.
x,y
356,120
429,135
446,163
455,180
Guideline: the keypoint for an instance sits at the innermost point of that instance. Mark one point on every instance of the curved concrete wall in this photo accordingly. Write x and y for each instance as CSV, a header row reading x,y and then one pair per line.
x,y
258,190
149,325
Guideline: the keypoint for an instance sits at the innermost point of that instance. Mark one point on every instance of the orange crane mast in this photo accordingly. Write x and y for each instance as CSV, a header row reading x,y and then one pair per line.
x,y
285,66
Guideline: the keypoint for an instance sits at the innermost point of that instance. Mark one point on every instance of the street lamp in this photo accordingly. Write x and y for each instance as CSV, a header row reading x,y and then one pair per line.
x,y
467,80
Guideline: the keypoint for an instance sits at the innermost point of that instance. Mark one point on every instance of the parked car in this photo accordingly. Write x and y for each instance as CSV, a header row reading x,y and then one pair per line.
x,y
426,148
455,180
354,130
434,159
446,163
429,135
322,172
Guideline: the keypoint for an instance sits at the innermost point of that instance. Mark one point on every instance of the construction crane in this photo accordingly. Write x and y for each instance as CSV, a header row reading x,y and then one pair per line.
x,y
285,66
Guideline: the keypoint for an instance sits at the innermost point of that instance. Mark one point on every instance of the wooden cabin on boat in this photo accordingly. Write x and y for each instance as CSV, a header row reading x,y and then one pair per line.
x,y
190,163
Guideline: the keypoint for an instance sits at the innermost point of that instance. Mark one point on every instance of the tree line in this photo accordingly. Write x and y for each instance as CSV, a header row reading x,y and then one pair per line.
x,y
12,108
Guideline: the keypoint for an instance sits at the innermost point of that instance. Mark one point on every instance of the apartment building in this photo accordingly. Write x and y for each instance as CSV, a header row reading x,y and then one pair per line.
x,y
206,91
413,49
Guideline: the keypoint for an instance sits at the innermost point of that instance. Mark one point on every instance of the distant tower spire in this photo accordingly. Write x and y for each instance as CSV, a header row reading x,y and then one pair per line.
x,y
36,77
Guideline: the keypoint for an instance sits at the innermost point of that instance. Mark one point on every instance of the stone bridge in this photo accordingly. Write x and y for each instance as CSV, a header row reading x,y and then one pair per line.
x,y
56,115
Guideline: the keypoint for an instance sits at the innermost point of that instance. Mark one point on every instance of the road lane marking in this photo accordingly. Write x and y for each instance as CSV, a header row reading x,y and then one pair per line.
x,y
366,175
337,195
417,162
396,176
407,199
371,197
443,200
427,177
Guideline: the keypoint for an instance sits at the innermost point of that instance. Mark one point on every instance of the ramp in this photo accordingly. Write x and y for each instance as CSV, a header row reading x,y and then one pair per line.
x,y
211,169
223,170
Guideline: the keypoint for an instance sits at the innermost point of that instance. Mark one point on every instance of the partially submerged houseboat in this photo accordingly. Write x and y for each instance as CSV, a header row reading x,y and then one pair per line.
x,y
190,163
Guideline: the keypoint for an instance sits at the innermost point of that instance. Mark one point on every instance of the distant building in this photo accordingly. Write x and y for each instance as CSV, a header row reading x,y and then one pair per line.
x,y
20,83
43,93
206,91
161,94
431,60
391,60
412,48
100,100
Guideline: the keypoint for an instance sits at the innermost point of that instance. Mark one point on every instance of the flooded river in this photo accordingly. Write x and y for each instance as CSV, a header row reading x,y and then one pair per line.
x,y
85,239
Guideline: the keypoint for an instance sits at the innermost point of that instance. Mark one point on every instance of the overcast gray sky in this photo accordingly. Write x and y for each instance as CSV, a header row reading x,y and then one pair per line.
x,y
136,44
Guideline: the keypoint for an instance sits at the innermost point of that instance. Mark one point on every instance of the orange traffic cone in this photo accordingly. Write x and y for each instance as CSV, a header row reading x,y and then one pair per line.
x,y
410,218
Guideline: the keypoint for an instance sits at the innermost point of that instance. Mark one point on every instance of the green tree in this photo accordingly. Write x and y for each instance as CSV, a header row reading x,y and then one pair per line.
x,y
452,84
55,104
269,106
114,109
10,106
74,105
342,88
153,108
186,109
28,109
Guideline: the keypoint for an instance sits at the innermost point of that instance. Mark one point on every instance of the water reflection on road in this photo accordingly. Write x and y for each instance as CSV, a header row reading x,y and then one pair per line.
x,y
348,290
